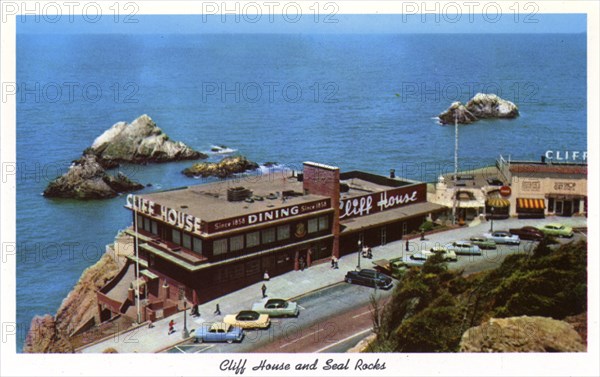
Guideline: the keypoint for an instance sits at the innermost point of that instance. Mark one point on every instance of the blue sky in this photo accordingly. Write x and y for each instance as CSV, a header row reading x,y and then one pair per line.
x,y
306,23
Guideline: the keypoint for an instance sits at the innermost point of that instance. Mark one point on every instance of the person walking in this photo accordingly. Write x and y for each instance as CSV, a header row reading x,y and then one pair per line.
x,y
407,244
171,327
266,276
335,262
218,310
264,290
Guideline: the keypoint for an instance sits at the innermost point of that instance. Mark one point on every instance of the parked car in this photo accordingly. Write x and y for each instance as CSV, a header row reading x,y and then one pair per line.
x,y
411,262
447,254
503,237
421,255
493,181
463,247
483,242
558,230
248,319
277,307
395,267
218,332
528,233
370,278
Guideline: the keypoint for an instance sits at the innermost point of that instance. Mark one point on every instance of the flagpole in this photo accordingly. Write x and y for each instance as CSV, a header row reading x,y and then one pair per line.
x,y
137,266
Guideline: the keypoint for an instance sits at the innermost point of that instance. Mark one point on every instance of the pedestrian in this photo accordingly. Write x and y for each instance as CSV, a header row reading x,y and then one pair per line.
x,y
264,290
369,253
171,327
266,276
218,310
302,263
335,262
422,235
195,311
406,244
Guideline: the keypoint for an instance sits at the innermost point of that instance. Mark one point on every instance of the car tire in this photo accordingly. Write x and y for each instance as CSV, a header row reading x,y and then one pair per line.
x,y
198,340
229,341
348,280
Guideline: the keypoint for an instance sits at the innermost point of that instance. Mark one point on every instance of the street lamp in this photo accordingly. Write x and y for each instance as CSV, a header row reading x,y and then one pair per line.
x,y
492,217
359,251
185,334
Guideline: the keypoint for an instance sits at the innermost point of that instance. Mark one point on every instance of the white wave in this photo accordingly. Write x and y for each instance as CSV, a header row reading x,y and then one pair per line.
x,y
217,149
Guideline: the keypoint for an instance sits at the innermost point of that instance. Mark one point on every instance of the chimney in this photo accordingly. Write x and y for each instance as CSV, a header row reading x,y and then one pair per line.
x,y
543,159
392,173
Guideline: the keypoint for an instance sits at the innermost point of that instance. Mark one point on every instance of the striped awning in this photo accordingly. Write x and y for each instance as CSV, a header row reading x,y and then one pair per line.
x,y
497,202
531,203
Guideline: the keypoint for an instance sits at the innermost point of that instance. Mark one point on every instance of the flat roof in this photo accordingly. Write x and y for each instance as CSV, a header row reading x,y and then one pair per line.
x,y
388,216
209,201
559,168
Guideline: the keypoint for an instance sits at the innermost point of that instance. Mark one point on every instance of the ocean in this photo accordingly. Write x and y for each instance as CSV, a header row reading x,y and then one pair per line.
x,y
364,102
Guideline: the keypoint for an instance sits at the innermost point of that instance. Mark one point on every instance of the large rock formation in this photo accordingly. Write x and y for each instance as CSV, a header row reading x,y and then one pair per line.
x,y
522,334
222,169
52,334
87,179
140,141
481,106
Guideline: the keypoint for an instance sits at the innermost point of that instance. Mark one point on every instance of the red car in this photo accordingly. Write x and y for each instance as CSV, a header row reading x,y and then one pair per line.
x,y
528,233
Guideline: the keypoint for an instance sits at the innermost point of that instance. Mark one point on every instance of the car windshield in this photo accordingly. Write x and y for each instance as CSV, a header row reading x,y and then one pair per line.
x,y
276,304
247,316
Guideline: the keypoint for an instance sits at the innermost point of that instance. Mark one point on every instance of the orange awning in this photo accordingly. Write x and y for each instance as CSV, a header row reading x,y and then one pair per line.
x,y
497,202
531,203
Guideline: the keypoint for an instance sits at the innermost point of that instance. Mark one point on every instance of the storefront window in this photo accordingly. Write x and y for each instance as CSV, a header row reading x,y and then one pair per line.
x,y
313,225
268,235
323,223
147,226
197,245
236,243
220,246
576,206
283,232
252,239
187,241
154,227
550,204
176,236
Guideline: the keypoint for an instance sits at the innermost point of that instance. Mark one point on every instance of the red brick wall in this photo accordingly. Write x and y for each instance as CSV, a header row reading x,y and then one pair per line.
x,y
325,180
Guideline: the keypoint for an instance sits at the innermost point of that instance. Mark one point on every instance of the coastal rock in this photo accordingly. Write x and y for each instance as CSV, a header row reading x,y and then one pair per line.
x,y
457,111
49,334
87,179
522,334
139,142
222,169
481,106
491,106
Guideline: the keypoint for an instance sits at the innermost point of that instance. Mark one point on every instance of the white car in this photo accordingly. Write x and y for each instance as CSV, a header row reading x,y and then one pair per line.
x,y
463,247
503,237
448,255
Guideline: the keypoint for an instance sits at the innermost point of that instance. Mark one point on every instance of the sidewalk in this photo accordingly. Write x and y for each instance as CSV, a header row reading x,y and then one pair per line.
x,y
294,284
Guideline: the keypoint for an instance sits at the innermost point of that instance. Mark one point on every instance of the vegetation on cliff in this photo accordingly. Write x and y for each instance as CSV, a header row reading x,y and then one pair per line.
x,y
432,307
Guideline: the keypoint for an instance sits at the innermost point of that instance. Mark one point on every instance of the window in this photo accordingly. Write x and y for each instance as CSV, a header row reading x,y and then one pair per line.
x,y
147,226
187,241
268,235
236,243
550,204
154,227
313,225
140,222
283,232
220,247
576,206
197,247
323,223
176,236
252,239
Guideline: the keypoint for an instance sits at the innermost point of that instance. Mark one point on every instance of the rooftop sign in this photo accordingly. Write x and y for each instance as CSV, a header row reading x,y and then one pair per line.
x,y
381,201
168,215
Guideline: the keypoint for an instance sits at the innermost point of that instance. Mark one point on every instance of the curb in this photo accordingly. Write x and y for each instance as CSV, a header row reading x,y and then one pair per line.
x,y
119,333
316,290
174,345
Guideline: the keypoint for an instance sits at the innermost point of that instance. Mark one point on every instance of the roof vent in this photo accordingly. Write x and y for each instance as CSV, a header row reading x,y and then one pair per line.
x,y
238,194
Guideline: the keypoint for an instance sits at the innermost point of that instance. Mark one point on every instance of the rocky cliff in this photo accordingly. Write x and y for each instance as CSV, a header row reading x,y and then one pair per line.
x,y
522,334
140,141
481,106
222,169
87,179
51,334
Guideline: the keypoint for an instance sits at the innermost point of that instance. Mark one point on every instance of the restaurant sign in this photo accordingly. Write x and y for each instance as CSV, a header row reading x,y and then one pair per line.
x,y
381,201
266,216
165,214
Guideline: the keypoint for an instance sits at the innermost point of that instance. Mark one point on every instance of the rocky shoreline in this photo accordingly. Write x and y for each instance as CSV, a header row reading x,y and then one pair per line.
x,y
222,169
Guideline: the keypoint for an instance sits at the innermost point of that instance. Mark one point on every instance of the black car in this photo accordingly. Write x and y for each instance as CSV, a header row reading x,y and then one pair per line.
x,y
528,233
369,278
494,182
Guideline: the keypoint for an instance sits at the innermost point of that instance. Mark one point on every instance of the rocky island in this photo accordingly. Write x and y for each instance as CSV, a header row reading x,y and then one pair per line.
x,y
138,142
481,106
222,169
